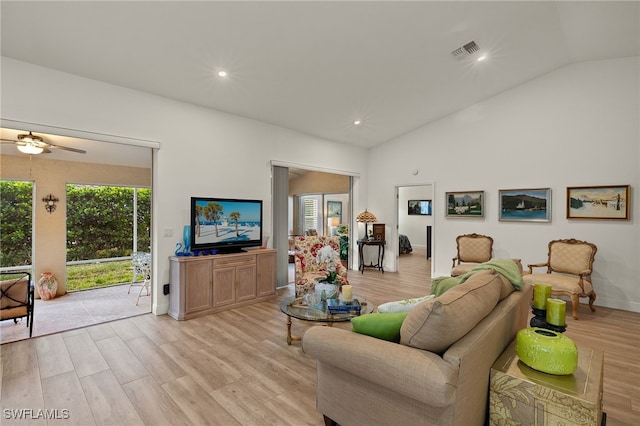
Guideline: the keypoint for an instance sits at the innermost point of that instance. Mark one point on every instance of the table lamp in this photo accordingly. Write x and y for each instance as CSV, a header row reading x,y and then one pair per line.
x,y
367,218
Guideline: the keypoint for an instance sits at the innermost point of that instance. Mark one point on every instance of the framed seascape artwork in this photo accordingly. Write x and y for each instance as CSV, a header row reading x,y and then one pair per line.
x,y
419,207
598,202
528,205
465,204
334,209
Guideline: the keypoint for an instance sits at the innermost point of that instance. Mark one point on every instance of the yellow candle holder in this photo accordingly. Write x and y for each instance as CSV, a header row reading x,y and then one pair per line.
x,y
541,292
556,312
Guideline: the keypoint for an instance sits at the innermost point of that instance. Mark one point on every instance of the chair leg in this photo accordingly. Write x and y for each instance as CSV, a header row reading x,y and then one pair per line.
x,y
592,298
145,285
575,302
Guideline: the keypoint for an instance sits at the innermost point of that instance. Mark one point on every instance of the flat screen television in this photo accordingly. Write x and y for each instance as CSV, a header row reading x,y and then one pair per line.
x,y
225,225
420,207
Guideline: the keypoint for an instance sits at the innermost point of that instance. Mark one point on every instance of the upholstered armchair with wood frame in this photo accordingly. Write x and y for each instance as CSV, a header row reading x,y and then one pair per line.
x,y
473,249
16,298
569,266
308,272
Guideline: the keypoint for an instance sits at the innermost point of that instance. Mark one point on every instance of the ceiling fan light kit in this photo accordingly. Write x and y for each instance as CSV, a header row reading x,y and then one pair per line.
x,y
30,149
33,145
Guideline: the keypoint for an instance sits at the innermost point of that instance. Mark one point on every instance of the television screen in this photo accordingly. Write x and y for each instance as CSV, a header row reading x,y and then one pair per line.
x,y
420,207
225,224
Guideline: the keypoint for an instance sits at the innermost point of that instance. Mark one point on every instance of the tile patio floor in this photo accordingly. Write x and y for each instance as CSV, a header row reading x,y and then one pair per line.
x,y
78,309
83,308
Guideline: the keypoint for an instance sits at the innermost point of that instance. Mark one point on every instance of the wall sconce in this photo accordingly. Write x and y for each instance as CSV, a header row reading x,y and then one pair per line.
x,y
50,203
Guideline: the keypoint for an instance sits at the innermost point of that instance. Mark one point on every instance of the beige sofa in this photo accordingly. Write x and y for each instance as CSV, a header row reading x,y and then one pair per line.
x,y
363,380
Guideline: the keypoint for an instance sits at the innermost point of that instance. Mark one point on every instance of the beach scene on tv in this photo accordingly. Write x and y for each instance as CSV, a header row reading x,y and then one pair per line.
x,y
226,221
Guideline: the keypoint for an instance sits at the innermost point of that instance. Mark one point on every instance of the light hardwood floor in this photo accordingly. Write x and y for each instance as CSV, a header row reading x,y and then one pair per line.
x,y
235,367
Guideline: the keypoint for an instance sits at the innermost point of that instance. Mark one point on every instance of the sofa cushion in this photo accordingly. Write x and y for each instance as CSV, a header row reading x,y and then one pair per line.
x,y
402,305
560,282
380,326
436,324
14,293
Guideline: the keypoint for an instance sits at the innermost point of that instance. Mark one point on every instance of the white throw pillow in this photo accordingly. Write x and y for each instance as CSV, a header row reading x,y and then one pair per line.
x,y
402,305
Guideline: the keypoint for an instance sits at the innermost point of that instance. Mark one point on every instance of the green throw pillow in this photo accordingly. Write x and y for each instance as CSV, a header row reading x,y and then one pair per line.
x,y
380,326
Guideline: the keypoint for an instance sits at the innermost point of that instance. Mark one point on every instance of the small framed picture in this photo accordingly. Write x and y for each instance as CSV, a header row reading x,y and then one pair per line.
x,y
465,204
598,202
526,205
378,231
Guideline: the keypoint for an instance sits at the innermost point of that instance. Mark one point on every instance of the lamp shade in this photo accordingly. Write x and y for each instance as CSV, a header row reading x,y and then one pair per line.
x,y
366,217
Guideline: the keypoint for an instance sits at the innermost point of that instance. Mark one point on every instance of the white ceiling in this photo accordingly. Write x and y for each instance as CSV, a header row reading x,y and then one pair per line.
x,y
317,66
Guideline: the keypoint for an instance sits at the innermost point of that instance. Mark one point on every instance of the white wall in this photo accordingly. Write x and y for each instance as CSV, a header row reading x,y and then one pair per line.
x,y
576,126
203,152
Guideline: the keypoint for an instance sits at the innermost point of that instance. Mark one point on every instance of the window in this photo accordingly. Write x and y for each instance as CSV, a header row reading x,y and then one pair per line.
x,y
16,223
107,221
310,212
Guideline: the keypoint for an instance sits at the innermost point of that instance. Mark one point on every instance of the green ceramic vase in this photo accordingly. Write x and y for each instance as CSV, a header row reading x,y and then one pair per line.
x,y
547,351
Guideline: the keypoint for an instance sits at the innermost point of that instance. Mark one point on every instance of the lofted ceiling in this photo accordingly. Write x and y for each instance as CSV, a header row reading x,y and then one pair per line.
x,y
316,67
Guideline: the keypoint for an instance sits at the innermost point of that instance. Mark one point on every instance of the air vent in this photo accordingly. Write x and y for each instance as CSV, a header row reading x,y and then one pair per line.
x,y
466,50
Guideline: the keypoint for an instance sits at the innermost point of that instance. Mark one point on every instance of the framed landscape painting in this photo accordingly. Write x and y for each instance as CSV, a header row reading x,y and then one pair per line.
x,y
465,204
528,205
598,202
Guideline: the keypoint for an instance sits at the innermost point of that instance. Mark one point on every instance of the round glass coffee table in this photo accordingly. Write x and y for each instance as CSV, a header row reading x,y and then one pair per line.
x,y
294,307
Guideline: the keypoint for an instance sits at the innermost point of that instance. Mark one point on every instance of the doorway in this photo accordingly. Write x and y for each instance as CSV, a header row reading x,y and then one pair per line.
x,y
293,183
415,221
128,162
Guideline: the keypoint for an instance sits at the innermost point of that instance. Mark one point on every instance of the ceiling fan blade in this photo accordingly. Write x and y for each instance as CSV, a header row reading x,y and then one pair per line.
x,y
7,141
66,148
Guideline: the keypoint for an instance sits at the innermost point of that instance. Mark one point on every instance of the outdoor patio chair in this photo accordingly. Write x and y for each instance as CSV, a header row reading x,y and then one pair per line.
x,y
141,263
16,298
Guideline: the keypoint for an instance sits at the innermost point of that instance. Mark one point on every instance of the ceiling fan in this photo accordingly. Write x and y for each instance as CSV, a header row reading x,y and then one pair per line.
x,y
34,144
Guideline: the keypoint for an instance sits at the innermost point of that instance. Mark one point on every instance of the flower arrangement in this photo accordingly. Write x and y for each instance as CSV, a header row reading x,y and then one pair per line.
x,y
329,257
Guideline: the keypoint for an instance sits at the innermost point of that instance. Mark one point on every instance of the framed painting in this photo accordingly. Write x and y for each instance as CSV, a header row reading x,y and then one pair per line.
x,y
334,209
598,202
465,204
527,205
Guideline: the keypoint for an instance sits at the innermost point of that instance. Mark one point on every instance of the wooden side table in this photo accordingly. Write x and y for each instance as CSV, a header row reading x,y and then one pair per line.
x,y
378,243
519,394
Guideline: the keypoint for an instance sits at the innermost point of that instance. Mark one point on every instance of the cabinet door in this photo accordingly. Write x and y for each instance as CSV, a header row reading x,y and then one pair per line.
x,y
223,288
266,284
245,282
198,286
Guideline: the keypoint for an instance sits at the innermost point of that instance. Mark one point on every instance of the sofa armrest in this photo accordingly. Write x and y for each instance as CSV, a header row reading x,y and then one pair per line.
x,y
417,374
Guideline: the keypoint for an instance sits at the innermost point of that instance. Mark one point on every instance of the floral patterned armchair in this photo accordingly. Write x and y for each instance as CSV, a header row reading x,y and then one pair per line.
x,y
308,270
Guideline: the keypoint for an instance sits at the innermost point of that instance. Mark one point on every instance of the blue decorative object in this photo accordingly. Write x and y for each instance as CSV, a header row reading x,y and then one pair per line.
x,y
178,251
186,235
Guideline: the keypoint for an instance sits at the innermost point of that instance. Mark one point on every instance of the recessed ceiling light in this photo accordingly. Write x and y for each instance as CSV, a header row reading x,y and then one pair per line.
x,y
222,73
357,123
